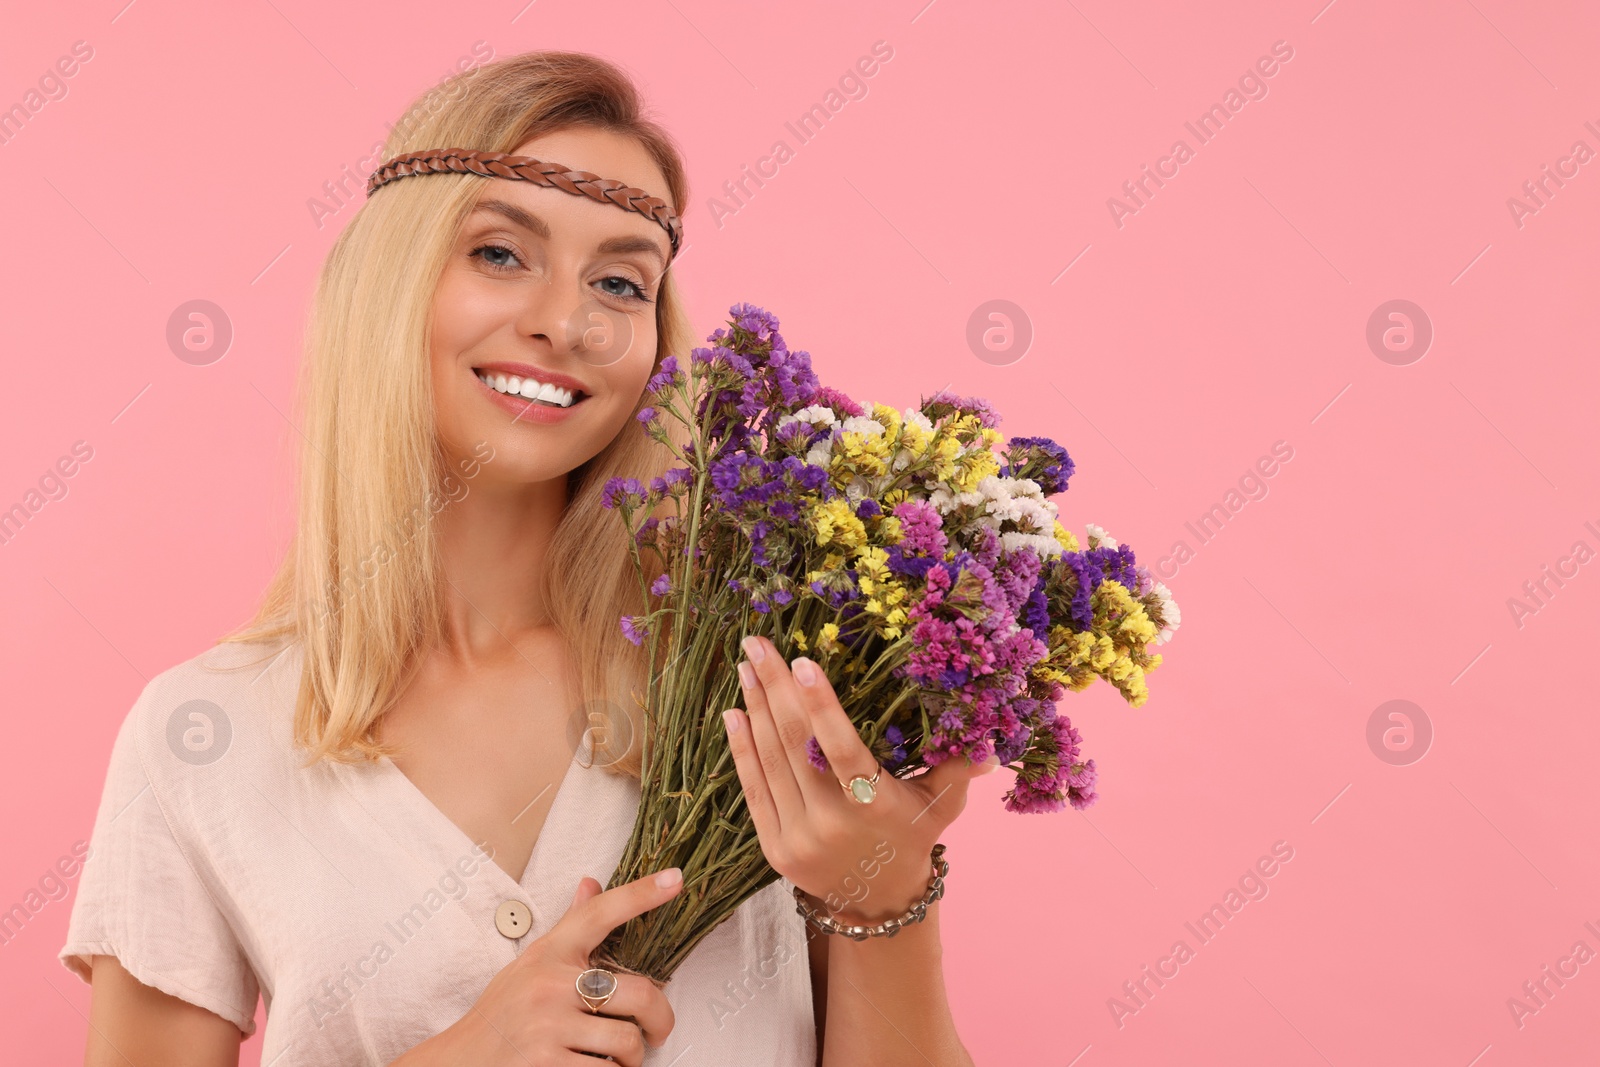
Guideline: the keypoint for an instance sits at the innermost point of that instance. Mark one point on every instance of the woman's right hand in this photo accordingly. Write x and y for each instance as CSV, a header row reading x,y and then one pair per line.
x,y
530,1014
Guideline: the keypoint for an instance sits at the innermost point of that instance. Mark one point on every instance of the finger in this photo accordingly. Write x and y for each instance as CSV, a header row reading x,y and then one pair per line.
x,y
617,1038
752,779
840,741
588,888
944,787
640,1001
768,732
586,924
790,728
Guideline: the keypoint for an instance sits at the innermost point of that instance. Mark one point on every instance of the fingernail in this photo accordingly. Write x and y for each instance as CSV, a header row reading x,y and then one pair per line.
x,y
731,720
669,878
747,675
752,648
805,672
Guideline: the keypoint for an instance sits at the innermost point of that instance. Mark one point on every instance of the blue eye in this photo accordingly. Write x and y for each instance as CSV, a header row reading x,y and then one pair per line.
x,y
494,248
634,290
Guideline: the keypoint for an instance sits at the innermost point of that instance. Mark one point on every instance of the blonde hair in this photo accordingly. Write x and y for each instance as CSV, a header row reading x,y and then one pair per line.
x,y
371,469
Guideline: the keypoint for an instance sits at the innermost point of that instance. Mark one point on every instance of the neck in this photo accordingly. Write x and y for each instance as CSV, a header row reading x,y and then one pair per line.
x,y
493,547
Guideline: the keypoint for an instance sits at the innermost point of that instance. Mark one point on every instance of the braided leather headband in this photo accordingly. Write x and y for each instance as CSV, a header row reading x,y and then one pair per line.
x,y
526,168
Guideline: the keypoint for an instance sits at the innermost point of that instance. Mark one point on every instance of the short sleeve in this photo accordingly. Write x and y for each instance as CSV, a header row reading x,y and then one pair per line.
x,y
141,900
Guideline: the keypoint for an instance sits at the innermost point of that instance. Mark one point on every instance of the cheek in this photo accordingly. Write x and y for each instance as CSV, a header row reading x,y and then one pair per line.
x,y
625,380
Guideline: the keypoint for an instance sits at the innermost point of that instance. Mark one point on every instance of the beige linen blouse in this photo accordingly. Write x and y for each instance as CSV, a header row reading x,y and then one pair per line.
x,y
219,868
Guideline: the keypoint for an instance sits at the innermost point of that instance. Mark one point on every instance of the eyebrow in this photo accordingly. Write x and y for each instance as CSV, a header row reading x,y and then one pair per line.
x,y
529,221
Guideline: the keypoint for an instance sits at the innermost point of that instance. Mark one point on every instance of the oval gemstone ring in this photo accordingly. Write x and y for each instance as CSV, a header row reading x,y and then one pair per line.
x,y
862,790
595,986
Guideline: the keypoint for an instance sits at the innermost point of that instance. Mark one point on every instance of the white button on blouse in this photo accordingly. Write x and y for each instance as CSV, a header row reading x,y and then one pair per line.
x,y
365,919
512,918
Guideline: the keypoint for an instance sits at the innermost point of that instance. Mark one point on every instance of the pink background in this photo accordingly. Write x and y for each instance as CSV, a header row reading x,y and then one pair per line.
x,y
1228,313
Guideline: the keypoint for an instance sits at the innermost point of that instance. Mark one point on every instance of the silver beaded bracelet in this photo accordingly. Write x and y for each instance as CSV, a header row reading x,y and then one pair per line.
x,y
889,927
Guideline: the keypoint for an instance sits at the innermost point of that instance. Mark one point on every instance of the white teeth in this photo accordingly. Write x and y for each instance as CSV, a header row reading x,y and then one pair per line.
x,y
529,388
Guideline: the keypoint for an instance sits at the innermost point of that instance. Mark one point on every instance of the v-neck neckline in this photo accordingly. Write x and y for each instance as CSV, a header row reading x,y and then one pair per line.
x,y
401,789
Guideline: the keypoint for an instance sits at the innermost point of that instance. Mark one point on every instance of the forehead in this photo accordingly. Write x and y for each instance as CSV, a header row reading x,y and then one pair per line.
x,y
603,152
600,152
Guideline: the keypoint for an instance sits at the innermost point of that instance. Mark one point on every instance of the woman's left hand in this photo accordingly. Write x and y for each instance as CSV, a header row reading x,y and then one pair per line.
x,y
864,862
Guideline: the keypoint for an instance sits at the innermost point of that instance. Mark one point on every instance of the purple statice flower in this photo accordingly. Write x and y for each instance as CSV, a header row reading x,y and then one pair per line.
x,y
1038,458
673,476
986,547
1018,652
944,402
646,414
814,755
1036,612
1015,728
762,495
839,402
622,492
920,527
975,594
797,436
748,317
948,653
661,586
1016,574
1090,568
666,377
921,543
633,628
1080,785
897,747
1053,776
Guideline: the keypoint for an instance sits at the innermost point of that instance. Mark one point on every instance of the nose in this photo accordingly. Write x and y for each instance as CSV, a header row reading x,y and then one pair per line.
x,y
547,310
576,323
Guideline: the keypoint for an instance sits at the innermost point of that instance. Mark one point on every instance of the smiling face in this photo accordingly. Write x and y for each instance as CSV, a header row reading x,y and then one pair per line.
x,y
544,320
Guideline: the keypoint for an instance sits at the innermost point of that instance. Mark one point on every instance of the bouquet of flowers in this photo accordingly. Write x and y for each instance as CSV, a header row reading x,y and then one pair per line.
x,y
914,555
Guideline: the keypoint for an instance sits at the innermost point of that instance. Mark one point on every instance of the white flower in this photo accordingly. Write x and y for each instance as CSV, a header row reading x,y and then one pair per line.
x,y
862,424
1098,537
1018,501
1043,546
946,502
816,415
1170,615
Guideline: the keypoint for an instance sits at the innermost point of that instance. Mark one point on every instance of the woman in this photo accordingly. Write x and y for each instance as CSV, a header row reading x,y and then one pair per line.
x,y
388,805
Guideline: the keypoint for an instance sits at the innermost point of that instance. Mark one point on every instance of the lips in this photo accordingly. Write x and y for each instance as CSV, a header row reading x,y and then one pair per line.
x,y
531,389
543,375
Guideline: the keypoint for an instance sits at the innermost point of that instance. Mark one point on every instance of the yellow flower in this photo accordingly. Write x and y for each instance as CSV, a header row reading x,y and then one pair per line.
x,y
834,522
1066,538
884,593
945,454
828,639
976,466
914,439
799,639
864,452
888,417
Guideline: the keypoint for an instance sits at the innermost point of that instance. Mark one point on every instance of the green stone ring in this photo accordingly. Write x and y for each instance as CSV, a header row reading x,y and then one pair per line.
x,y
862,790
